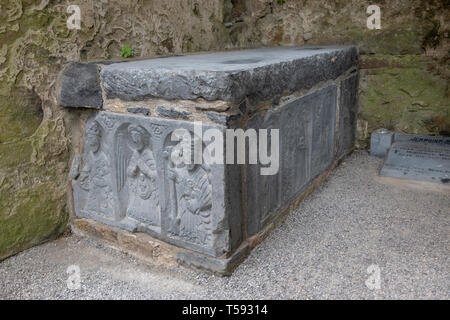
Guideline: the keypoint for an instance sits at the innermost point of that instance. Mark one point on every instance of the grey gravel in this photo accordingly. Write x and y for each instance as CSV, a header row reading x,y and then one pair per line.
x,y
321,251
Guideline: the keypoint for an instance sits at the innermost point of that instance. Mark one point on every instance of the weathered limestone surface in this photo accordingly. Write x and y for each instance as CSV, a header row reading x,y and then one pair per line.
x,y
259,74
307,127
214,214
348,113
80,86
380,142
129,181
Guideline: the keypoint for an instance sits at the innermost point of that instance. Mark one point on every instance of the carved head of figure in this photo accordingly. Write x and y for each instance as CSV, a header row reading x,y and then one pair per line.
x,y
137,136
186,151
93,136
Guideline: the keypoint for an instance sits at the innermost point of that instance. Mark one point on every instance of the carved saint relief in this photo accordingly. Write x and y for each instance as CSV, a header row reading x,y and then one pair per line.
x,y
127,179
95,176
137,169
190,200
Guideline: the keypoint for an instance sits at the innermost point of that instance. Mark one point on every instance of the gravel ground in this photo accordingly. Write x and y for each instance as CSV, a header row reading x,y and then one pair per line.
x,y
321,251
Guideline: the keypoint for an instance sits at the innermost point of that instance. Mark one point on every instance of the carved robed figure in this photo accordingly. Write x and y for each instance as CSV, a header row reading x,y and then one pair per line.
x,y
190,197
95,176
140,174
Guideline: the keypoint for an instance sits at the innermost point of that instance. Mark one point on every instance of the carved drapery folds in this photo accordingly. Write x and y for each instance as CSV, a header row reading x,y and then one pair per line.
x,y
127,179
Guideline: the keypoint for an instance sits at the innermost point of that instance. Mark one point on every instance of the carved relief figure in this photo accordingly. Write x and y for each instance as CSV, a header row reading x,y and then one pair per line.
x,y
190,198
95,176
141,174
296,164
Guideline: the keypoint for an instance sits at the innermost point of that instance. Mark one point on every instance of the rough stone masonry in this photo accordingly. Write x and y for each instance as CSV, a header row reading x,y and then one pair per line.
x,y
126,190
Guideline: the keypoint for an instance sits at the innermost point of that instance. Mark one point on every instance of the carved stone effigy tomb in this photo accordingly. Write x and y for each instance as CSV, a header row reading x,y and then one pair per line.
x,y
125,187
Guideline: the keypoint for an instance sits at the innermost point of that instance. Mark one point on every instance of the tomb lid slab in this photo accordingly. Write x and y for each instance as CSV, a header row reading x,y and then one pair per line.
x,y
258,74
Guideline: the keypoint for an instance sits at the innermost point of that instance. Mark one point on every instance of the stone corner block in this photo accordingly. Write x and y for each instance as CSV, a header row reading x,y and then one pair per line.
x,y
79,86
380,142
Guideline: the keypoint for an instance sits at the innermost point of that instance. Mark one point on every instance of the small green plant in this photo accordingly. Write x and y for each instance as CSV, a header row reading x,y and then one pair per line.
x,y
126,51
281,1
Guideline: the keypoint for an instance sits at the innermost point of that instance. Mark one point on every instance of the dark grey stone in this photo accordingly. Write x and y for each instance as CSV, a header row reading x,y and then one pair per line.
x,y
324,118
348,111
418,161
307,128
221,118
259,74
132,184
144,111
276,101
380,142
126,179
263,192
296,145
233,189
172,113
79,86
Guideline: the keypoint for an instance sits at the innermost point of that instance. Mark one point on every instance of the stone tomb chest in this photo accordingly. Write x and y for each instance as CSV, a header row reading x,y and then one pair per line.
x,y
125,184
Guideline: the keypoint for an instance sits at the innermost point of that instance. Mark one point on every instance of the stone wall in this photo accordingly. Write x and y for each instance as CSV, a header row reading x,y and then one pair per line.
x,y
403,86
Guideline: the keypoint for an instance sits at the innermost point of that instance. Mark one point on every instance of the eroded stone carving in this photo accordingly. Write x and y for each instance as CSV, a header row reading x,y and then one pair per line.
x,y
137,168
190,197
95,177
307,128
128,180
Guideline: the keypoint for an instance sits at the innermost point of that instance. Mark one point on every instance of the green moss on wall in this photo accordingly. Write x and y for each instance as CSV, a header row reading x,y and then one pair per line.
x,y
29,216
403,95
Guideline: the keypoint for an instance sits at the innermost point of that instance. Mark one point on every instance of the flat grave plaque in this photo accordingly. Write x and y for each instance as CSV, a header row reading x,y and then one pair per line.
x,y
418,161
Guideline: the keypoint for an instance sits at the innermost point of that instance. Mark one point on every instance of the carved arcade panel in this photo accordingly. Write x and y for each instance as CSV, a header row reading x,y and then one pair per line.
x,y
307,139
127,179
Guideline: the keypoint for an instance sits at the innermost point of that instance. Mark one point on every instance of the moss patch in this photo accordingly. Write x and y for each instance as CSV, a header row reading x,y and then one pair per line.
x,y
404,96
30,216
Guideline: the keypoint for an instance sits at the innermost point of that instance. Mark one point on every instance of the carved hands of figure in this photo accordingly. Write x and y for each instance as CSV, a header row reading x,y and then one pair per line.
x,y
146,169
99,178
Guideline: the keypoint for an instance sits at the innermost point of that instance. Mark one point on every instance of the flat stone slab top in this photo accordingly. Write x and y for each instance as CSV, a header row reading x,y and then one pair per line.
x,y
418,161
229,76
259,74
